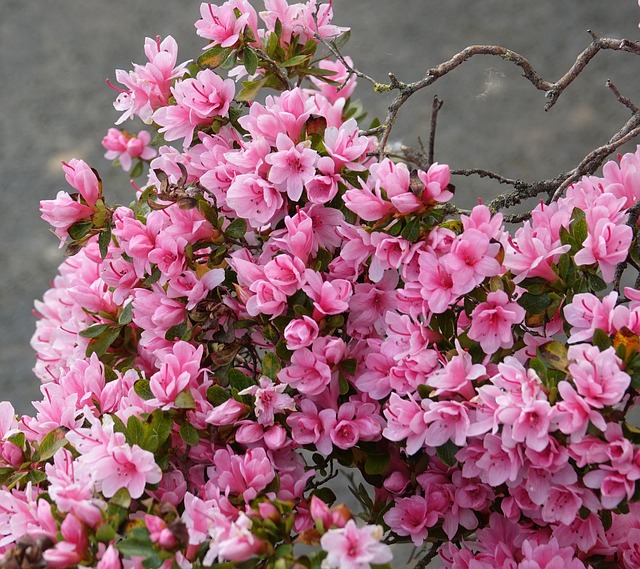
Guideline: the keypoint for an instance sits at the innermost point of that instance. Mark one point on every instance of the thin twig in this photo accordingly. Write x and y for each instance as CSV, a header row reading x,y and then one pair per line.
x,y
423,562
277,70
435,107
626,102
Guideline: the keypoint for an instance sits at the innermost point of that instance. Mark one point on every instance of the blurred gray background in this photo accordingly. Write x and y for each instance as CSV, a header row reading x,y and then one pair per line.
x,y
55,56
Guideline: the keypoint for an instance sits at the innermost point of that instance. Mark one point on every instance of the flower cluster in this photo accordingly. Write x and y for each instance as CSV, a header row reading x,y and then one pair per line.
x,y
278,286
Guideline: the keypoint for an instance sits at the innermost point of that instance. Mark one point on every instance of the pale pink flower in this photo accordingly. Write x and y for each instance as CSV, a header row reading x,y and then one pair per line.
x,y
110,559
586,312
367,202
246,475
347,83
63,212
292,166
351,547
270,399
436,181
318,19
83,178
491,322
472,257
71,549
346,147
227,413
286,272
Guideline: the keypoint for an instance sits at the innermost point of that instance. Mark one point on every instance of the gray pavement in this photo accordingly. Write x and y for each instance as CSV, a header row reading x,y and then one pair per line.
x,y
56,54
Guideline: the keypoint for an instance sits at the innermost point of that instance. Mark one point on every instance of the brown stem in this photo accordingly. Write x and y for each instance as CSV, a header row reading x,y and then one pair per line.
x,y
435,107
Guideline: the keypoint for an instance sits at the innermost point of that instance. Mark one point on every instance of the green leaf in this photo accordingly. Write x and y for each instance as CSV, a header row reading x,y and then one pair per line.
x,y
447,453
137,170
80,229
377,463
270,365
342,40
239,380
250,89
142,389
159,429
95,330
535,304
411,231
100,344
185,400
296,60
121,498
189,434
126,316
555,355
5,474
349,366
103,241
176,332
154,277
236,229
105,533
51,443
601,339
136,548
217,395
579,231
214,57
135,431
326,495
250,60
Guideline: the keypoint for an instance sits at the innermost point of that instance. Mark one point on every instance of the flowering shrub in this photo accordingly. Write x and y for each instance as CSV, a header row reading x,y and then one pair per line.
x,y
279,285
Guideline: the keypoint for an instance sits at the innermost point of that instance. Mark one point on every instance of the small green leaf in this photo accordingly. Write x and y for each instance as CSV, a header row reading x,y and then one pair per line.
x,y
326,495
121,498
296,60
342,40
236,229
176,332
270,365
535,304
135,431
95,330
601,339
103,241
411,231
250,60
101,344
250,89
105,533
154,277
51,443
189,434
447,453
126,316
239,380
142,389
579,231
217,395
80,229
214,57
555,355
349,366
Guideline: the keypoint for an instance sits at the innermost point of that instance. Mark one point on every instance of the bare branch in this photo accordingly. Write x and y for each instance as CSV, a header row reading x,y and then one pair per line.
x,y
435,107
626,102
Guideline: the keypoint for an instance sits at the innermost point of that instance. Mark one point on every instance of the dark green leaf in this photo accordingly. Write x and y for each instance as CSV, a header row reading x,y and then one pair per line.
x,y
601,339
250,60
142,389
135,431
250,89
189,434
105,533
5,474
95,330
100,344
579,231
236,229
154,277
342,40
535,304
137,170
239,380
377,463
447,453
217,395
176,332
126,316
411,231
296,60
349,366
80,229
326,495
121,498
103,241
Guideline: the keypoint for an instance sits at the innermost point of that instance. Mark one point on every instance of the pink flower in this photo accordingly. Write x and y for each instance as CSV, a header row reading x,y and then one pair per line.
x,y
286,272
436,180
329,297
254,199
198,101
223,26
300,333
292,166
83,178
606,244
307,373
548,556
472,257
354,548
63,212
446,420
411,517
597,375
345,146
125,147
491,322
347,83
246,475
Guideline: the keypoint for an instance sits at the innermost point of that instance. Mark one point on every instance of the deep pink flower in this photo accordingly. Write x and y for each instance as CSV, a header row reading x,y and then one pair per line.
x,y
125,147
255,199
246,475
223,25
300,333
307,373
